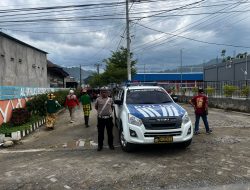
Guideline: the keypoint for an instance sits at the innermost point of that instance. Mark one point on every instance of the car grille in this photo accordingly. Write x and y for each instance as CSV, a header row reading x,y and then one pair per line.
x,y
155,134
162,123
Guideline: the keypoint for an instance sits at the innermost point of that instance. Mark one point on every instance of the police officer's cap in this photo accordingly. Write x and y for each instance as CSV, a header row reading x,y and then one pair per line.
x,y
104,88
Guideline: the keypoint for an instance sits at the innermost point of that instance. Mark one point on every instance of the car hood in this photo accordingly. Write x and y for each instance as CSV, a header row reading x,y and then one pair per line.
x,y
156,110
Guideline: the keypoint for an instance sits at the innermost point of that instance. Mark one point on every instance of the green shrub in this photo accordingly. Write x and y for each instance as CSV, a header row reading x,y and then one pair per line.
x,y
229,90
195,90
61,96
20,116
7,128
36,104
245,91
210,91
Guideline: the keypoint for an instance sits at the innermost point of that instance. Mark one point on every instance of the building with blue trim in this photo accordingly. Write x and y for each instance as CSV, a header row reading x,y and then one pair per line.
x,y
170,81
169,77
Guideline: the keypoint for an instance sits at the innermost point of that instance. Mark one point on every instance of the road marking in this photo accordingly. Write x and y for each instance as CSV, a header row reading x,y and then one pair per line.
x,y
67,187
53,179
227,169
219,173
9,173
50,176
197,170
80,143
24,151
92,143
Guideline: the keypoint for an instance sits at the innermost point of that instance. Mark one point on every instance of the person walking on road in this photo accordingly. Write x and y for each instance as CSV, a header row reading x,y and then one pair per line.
x,y
104,105
86,104
200,104
51,106
71,102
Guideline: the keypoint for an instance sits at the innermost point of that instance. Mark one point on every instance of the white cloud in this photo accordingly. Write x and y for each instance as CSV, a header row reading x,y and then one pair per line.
x,y
92,41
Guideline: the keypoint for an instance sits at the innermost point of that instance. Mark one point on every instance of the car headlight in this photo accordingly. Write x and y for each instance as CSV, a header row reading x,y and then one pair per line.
x,y
185,119
134,120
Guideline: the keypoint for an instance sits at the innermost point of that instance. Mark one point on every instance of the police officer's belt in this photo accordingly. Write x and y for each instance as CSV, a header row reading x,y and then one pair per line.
x,y
105,116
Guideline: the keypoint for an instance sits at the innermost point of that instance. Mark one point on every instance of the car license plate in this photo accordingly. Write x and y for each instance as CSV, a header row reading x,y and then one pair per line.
x,y
163,139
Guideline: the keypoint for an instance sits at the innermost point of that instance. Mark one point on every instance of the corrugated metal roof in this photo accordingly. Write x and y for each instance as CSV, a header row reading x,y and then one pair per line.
x,y
56,68
168,76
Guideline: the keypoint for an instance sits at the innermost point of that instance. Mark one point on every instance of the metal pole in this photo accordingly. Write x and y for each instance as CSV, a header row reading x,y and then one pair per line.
x,y
181,66
98,68
246,68
128,43
80,76
144,71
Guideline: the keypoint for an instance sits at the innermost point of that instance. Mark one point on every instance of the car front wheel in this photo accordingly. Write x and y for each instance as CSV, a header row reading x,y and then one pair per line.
x,y
126,146
185,144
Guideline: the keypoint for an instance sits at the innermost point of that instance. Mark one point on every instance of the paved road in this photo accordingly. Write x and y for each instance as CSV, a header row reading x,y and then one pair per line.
x,y
66,158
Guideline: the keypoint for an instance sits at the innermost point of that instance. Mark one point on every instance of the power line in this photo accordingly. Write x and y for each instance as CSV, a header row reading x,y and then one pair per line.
x,y
204,20
175,35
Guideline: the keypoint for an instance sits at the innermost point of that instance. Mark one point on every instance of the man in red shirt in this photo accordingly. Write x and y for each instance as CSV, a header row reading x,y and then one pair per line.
x,y
71,102
200,104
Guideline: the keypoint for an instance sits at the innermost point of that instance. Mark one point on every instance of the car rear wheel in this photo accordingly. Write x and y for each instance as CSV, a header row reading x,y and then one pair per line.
x,y
126,146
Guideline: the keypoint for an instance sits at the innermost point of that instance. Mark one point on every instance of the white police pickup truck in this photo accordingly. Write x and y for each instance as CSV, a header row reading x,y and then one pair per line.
x,y
148,115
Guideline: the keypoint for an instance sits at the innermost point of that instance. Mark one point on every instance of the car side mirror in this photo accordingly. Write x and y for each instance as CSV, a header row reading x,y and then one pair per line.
x,y
118,101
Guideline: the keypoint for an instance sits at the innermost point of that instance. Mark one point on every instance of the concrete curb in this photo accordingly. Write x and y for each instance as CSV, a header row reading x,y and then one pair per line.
x,y
18,135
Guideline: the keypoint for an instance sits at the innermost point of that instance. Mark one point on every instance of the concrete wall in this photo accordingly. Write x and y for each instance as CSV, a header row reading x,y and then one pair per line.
x,y
21,65
242,105
12,97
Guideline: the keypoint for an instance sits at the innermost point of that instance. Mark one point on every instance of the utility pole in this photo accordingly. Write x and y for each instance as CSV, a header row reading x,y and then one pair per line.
x,y
128,42
245,72
246,69
98,68
80,76
144,72
181,65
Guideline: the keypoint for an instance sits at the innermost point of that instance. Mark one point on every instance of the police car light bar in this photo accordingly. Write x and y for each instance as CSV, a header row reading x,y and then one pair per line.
x,y
142,84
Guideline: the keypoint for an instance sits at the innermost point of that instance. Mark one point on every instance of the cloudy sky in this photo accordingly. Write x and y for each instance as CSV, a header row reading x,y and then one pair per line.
x,y
86,32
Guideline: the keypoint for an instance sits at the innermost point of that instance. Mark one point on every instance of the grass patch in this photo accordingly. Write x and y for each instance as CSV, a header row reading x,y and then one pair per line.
x,y
7,128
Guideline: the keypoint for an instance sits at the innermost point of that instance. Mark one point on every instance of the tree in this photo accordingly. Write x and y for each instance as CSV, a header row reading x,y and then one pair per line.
x,y
223,53
96,80
116,69
116,66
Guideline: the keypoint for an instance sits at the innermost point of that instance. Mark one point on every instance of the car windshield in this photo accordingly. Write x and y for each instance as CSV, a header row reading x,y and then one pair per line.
x,y
147,96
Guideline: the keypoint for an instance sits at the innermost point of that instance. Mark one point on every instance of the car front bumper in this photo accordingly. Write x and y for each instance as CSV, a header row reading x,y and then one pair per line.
x,y
144,136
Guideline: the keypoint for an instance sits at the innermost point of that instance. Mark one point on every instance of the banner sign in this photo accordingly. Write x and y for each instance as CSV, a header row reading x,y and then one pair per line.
x,y
14,92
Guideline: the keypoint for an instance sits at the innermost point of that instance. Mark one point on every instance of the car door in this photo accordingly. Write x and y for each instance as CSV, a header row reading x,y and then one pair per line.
x,y
118,107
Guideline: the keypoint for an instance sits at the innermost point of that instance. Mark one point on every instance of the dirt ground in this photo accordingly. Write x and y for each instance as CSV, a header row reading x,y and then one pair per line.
x,y
66,158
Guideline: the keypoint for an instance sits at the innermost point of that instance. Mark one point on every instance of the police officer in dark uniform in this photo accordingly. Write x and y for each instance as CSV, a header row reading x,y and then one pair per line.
x,y
104,107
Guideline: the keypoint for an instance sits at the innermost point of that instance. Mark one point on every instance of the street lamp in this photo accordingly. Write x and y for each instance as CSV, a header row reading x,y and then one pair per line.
x,y
144,72
245,73
181,64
